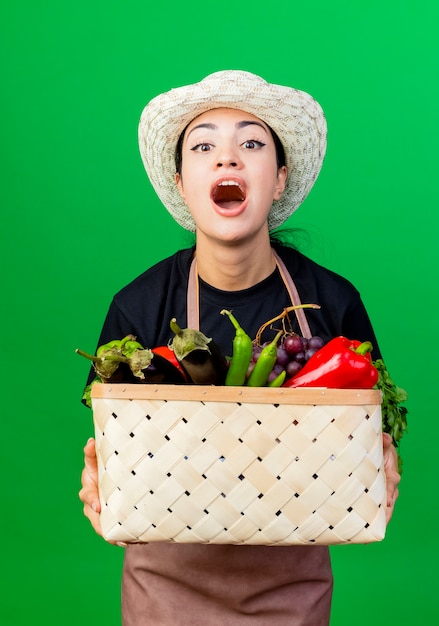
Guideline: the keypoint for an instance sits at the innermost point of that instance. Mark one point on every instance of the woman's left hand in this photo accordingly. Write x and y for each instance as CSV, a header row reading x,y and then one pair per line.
x,y
392,475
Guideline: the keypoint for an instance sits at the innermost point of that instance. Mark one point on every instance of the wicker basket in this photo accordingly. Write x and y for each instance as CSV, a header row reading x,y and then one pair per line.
x,y
239,465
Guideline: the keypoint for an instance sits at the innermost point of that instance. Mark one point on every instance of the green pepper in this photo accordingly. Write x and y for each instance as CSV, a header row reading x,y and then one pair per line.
x,y
107,362
279,380
264,364
126,351
242,353
130,347
108,347
116,346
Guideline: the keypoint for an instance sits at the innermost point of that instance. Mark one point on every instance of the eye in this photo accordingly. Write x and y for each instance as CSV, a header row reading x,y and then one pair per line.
x,y
202,147
253,144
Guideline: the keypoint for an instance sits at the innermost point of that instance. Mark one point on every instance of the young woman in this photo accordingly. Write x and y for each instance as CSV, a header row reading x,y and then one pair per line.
x,y
231,158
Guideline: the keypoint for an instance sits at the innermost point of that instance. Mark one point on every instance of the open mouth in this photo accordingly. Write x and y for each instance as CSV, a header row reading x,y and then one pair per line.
x,y
228,194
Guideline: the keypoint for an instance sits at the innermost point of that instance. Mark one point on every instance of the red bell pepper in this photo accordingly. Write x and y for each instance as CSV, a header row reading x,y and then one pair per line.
x,y
340,364
169,355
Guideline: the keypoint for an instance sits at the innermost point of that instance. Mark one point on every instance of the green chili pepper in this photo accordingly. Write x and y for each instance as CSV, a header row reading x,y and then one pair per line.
x,y
279,380
242,353
264,364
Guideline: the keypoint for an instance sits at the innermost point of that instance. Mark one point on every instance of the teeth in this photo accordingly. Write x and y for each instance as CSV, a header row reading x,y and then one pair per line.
x,y
226,183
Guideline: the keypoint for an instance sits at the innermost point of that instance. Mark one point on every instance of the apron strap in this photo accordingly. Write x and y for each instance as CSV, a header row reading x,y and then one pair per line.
x,y
193,297
294,296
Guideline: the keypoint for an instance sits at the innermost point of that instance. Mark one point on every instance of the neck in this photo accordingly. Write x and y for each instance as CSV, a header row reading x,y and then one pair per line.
x,y
234,267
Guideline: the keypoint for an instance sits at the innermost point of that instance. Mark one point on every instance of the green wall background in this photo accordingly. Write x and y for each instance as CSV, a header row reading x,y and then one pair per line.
x,y
79,220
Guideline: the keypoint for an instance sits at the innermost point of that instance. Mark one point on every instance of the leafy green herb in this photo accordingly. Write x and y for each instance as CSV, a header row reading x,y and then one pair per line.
x,y
394,415
86,396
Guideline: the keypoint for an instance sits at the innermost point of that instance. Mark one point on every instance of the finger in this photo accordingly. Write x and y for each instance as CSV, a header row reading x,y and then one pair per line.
x,y
387,440
94,518
89,493
90,453
392,482
91,461
390,505
392,475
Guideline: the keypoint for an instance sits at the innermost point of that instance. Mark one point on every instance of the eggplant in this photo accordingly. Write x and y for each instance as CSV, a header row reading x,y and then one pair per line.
x,y
198,355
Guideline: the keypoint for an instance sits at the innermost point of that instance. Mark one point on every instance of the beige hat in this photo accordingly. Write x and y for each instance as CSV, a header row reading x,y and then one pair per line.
x,y
294,115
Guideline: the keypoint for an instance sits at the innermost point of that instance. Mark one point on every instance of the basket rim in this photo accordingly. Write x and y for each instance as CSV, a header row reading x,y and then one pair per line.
x,y
217,393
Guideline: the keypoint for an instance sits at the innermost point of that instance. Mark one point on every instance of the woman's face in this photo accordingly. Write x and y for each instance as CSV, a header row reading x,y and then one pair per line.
x,y
229,175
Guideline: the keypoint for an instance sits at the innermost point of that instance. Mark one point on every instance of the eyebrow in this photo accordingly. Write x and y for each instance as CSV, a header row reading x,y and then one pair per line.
x,y
239,125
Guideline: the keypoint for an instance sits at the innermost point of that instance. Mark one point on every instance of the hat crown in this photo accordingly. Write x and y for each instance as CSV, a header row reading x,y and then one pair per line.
x,y
234,76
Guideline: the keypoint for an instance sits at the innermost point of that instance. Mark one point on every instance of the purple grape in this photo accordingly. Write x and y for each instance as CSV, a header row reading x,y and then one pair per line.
x,y
293,344
292,368
309,353
277,368
282,356
273,374
315,343
300,357
250,368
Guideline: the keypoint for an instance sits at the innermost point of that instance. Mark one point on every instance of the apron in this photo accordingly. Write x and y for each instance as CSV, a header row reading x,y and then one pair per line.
x,y
173,584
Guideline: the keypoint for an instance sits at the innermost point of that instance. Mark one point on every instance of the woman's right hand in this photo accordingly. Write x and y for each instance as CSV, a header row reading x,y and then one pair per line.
x,y
89,494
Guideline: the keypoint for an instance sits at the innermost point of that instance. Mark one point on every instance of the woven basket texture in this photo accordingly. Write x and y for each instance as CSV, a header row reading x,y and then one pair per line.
x,y
239,466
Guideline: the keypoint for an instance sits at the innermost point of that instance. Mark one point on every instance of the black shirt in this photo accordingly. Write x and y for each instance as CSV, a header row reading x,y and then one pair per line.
x,y
145,307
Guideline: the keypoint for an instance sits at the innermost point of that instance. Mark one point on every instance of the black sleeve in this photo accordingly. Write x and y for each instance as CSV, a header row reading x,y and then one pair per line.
x,y
145,306
357,325
342,310
116,326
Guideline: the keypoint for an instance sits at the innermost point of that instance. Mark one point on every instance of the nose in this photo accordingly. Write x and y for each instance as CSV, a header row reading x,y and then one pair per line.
x,y
225,163
231,164
228,157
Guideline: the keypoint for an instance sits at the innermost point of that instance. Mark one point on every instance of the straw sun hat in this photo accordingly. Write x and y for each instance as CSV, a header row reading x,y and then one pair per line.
x,y
294,115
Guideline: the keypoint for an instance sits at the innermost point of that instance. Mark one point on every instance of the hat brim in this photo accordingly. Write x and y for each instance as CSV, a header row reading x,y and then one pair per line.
x,y
294,115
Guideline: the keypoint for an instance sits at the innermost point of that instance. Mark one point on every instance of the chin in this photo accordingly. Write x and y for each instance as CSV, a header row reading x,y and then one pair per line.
x,y
233,229
237,235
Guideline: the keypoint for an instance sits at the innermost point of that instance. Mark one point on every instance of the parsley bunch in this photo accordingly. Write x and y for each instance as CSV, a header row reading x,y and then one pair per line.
x,y
394,415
